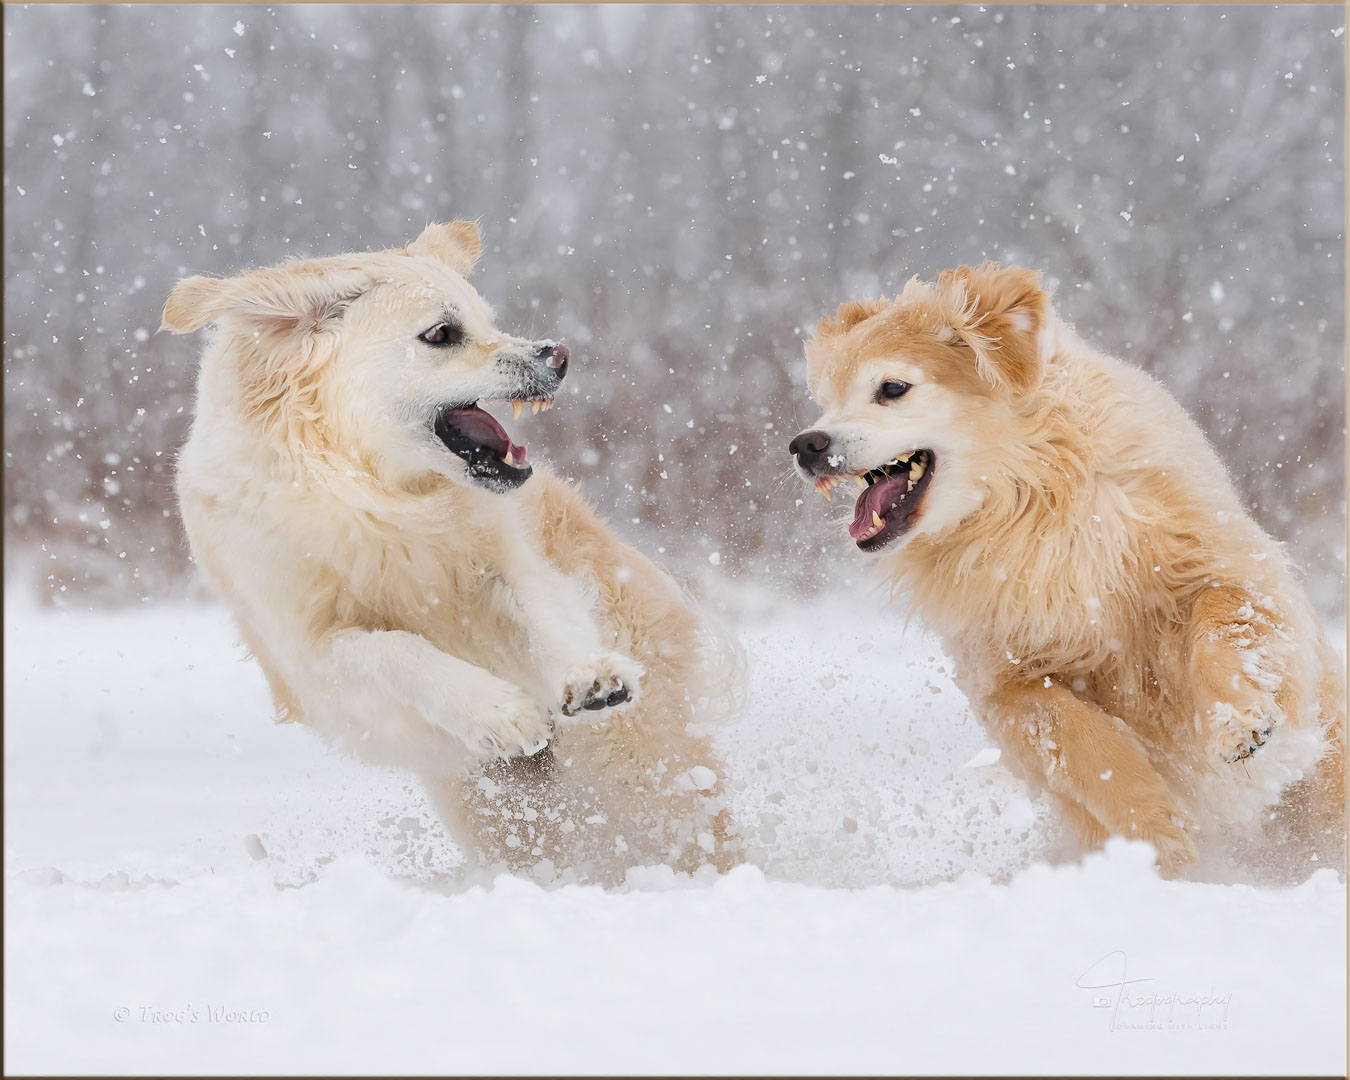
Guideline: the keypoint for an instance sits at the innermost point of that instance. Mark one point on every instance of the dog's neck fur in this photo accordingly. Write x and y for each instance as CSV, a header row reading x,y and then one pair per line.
x,y
402,543
1019,571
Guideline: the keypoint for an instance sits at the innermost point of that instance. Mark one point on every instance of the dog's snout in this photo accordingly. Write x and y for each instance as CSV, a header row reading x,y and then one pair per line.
x,y
557,357
808,447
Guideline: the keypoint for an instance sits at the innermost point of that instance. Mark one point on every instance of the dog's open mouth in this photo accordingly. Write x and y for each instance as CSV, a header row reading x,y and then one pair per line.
x,y
473,434
889,505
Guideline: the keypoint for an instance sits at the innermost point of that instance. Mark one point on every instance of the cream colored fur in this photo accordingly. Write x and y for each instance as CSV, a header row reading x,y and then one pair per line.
x,y
1119,621
409,615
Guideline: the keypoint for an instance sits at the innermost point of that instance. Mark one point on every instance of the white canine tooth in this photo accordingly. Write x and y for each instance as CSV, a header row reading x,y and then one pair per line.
x,y
918,469
516,406
877,520
534,408
510,458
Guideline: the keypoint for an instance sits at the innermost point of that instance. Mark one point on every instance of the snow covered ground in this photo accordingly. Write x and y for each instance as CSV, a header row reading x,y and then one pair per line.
x,y
191,888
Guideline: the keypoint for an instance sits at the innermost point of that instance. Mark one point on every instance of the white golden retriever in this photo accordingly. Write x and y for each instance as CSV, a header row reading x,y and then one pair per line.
x,y
416,590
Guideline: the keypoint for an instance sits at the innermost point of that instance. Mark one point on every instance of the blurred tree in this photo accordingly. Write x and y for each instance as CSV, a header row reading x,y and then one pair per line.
x,y
678,192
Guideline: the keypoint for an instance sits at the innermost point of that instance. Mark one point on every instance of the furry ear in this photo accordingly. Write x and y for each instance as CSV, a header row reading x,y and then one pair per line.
x,y
194,302
1001,314
849,315
295,297
457,244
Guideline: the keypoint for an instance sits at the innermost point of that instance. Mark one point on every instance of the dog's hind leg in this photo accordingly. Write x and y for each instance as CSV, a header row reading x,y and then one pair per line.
x,y
515,816
1086,757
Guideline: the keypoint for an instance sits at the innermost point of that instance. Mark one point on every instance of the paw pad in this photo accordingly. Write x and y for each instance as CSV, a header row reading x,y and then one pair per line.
x,y
600,695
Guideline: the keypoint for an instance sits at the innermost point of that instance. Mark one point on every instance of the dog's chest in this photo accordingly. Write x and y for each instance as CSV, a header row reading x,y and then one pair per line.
x,y
444,587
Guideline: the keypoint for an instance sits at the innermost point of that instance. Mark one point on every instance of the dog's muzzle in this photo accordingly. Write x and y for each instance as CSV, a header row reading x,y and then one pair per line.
x,y
474,435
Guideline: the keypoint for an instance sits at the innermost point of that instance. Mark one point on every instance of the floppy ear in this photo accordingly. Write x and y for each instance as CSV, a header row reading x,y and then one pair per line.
x,y
194,302
1000,313
295,297
457,244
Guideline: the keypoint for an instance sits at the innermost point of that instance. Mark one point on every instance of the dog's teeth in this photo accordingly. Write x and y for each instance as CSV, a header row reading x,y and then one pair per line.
x,y
877,520
917,470
510,458
516,406
534,408
548,403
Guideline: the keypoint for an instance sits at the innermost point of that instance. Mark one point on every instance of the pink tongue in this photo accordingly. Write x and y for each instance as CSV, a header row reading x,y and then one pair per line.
x,y
877,499
483,429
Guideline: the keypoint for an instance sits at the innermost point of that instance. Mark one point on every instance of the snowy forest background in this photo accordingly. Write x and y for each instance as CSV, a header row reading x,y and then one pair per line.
x,y
677,193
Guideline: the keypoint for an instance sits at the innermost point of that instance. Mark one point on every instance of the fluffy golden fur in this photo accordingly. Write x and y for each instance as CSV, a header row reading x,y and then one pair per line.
x,y
1129,635
417,614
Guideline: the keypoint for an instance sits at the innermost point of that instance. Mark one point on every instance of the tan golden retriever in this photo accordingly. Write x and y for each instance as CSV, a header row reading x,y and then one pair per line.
x,y
420,593
1129,635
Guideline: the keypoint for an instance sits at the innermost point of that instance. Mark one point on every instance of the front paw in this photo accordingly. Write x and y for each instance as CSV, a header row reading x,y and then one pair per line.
x,y
1236,732
607,683
512,724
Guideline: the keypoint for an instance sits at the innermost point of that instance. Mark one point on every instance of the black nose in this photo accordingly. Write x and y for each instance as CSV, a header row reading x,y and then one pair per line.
x,y
808,447
557,357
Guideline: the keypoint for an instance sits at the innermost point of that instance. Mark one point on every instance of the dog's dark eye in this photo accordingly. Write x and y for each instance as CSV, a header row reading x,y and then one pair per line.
x,y
443,335
891,390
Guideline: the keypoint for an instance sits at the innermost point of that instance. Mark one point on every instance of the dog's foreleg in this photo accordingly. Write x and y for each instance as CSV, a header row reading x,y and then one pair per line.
x,y
1083,755
583,673
489,715
1238,668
